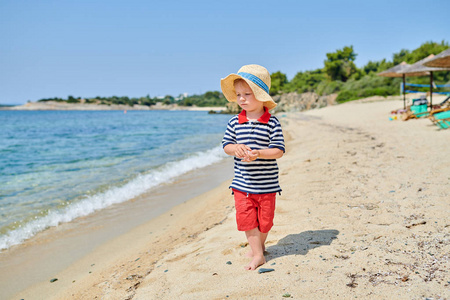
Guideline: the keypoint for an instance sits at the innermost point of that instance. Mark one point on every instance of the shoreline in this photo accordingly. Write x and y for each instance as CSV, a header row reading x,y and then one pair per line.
x,y
57,248
364,202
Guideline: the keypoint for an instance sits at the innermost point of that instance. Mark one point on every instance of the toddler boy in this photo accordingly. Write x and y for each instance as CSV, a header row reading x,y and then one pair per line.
x,y
255,139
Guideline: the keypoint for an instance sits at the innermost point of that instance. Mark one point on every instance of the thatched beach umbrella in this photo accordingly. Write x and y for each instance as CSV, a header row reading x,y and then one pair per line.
x,y
397,71
442,60
420,67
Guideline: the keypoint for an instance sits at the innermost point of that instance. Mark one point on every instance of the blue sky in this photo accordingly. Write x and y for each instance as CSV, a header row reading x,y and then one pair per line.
x,y
134,48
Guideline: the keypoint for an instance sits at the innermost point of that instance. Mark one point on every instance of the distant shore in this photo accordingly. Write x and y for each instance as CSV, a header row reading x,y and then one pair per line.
x,y
54,105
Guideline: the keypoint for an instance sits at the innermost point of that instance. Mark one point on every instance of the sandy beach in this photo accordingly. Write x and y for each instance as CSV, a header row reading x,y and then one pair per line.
x,y
363,214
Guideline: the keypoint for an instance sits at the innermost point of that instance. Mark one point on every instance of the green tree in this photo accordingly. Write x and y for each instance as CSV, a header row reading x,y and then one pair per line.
x,y
147,101
417,54
187,102
423,51
207,99
400,56
278,81
305,81
339,65
371,67
168,99
212,95
374,67
71,99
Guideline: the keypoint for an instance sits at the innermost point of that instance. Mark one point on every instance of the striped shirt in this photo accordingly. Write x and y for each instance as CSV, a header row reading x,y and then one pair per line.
x,y
261,175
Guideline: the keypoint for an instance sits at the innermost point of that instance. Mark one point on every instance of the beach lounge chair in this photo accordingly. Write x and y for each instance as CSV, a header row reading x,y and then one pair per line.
x,y
418,106
432,112
442,119
419,111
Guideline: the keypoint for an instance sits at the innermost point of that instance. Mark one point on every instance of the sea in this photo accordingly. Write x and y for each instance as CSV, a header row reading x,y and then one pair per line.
x,y
57,166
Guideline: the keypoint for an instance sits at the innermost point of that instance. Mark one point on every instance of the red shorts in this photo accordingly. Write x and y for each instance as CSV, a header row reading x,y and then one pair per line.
x,y
254,210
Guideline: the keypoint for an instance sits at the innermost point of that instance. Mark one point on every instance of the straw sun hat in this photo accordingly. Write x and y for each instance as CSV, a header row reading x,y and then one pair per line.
x,y
257,77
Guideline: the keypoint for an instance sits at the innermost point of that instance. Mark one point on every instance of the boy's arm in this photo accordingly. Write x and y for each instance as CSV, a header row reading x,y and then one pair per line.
x,y
238,150
245,152
269,153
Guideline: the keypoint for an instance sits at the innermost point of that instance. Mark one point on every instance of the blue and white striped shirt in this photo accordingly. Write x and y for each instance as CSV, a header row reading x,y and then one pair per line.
x,y
261,175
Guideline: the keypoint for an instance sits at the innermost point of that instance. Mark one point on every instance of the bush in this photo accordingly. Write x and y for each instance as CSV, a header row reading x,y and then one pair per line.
x,y
329,87
51,99
73,100
345,96
278,81
207,99
305,81
369,85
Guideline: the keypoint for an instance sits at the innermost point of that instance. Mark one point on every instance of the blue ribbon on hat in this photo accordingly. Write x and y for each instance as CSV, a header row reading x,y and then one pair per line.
x,y
255,80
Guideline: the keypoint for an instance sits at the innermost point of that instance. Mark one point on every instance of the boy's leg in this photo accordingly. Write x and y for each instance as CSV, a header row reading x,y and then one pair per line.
x,y
265,204
263,237
263,240
255,242
266,213
249,214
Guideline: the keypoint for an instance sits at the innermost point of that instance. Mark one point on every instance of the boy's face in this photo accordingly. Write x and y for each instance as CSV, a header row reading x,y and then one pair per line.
x,y
245,97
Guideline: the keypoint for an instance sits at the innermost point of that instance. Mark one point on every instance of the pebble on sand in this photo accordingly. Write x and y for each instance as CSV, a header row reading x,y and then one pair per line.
x,y
264,270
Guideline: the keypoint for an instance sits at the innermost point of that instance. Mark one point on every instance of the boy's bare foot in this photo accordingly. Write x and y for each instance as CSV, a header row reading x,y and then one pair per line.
x,y
256,262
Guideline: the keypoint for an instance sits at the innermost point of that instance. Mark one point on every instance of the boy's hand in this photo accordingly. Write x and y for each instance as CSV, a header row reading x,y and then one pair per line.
x,y
251,155
241,151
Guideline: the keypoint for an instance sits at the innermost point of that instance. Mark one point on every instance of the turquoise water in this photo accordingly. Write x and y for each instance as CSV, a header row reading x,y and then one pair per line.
x,y
56,166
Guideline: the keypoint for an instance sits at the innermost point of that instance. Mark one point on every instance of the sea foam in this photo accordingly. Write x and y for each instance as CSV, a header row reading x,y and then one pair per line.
x,y
90,204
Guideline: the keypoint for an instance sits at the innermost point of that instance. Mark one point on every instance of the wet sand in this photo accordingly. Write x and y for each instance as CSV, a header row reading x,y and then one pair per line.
x,y
55,249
